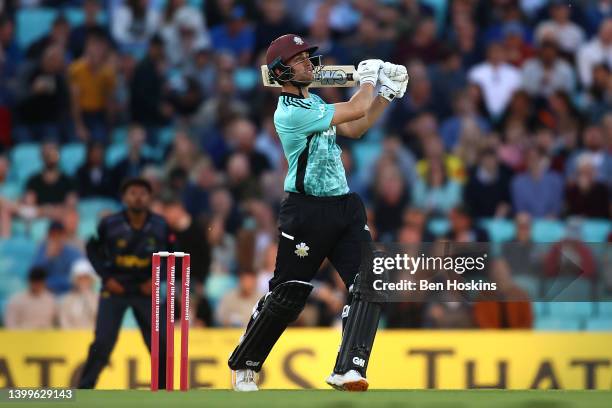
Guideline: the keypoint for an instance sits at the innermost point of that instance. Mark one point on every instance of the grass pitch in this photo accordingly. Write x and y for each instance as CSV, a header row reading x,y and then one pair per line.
x,y
335,399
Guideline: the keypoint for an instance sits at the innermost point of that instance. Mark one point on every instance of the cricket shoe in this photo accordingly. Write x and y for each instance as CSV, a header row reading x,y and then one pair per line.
x,y
244,380
350,381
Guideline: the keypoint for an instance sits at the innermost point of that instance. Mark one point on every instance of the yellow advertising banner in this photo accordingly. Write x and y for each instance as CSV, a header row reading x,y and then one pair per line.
x,y
303,358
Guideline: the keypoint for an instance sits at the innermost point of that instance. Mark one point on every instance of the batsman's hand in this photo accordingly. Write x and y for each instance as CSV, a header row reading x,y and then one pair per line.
x,y
393,80
368,71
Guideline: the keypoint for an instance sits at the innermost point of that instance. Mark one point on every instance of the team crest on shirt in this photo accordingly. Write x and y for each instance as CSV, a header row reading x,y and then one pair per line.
x,y
301,250
298,40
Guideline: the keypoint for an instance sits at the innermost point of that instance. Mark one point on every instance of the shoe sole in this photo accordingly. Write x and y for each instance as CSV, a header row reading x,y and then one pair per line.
x,y
356,386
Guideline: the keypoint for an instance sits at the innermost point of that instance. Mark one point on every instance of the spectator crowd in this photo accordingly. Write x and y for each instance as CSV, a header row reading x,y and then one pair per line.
x,y
507,116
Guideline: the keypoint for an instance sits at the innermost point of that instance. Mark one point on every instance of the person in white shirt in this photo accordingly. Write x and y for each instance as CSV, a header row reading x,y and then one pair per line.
x,y
596,51
497,79
568,34
547,73
78,309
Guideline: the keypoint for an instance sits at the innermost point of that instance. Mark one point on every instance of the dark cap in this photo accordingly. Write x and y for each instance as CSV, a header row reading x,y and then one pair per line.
x,y
37,274
56,226
135,181
286,47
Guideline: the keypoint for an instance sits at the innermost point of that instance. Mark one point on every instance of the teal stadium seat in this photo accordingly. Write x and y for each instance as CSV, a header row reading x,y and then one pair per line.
x,y
604,310
547,231
579,310
596,230
556,324
16,256
25,162
599,324
33,23
364,155
11,190
39,229
568,289
541,309
90,208
129,320
115,153
87,228
119,135
72,156
499,230
217,286
438,226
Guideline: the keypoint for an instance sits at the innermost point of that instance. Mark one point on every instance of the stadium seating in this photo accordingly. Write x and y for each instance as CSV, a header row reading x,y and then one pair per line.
x,y
557,324
499,230
217,286
438,226
25,162
599,324
529,283
33,23
580,310
547,230
596,230
91,208
72,156
567,288
11,190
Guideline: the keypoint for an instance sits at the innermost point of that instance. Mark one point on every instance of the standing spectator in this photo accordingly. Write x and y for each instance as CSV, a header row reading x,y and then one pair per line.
x,y
236,36
93,179
57,257
133,23
547,73
34,308
44,106
147,104
78,309
236,306
92,82
596,51
50,186
560,27
584,195
58,36
537,191
487,192
91,25
497,79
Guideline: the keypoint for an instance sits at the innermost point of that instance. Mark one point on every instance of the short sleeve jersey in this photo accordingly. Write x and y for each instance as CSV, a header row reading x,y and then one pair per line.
x,y
309,144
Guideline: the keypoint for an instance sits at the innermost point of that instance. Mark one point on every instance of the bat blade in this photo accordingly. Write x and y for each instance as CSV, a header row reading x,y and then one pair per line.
x,y
328,76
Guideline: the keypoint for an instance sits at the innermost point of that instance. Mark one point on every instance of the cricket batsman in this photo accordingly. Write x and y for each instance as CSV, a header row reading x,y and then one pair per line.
x,y
320,218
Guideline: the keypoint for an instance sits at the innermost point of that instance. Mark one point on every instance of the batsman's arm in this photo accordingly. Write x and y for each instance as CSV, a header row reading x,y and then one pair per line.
x,y
356,128
355,108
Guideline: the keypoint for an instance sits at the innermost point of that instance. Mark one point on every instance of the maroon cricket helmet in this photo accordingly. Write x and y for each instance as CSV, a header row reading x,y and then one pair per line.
x,y
282,50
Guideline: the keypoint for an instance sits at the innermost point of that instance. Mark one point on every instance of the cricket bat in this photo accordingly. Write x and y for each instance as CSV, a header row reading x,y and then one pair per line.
x,y
329,75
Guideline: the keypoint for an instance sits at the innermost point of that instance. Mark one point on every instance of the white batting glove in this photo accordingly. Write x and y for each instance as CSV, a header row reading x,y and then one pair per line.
x,y
368,71
394,80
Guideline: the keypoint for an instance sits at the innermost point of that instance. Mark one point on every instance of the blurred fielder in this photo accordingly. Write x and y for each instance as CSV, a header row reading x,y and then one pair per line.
x,y
319,218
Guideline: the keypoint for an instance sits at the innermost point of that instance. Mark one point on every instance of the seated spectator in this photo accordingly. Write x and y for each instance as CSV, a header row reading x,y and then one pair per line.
x,y
78,308
70,219
241,134
367,41
487,192
449,78
44,104
521,253
597,51
202,180
497,79
507,307
518,49
235,36
452,311
92,82
597,99
135,162
236,306
242,183
434,151
91,24
191,238
93,179
7,207
423,44
462,228
184,31
548,72
57,258
594,143
133,23
50,186
222,242
537,191
267,264
274,23
465,114
436,193
390,198
34,308
560,27
585,196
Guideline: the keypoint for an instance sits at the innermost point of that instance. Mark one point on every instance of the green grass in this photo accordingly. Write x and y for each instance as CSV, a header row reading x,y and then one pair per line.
x,y
335,399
